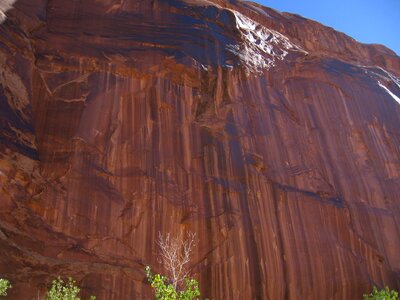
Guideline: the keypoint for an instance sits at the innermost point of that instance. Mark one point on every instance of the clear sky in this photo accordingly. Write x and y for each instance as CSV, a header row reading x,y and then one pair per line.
x,y
368,21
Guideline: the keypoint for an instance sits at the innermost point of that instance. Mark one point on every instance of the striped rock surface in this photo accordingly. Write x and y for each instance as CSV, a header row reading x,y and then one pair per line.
x,y
273,138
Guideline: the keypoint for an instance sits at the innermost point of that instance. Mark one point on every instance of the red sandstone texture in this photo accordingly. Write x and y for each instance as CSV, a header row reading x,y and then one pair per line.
x,y
274,138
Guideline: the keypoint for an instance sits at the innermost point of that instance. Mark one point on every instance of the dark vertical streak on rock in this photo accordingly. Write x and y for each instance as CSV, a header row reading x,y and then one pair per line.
x,y
236,157
205,142
281,245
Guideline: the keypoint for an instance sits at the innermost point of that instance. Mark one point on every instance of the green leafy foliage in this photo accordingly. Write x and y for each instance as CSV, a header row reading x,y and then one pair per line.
x,y
383,294
166,291
61,290
4,286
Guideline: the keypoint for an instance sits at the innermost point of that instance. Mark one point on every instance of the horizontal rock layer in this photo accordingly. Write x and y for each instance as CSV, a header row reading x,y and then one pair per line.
x,y
275,139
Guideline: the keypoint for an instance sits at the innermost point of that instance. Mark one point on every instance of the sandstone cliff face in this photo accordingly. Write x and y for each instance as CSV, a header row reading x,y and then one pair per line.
x,y
275,139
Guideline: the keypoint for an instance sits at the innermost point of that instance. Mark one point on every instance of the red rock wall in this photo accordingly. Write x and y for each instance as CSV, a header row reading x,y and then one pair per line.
x,y
119,121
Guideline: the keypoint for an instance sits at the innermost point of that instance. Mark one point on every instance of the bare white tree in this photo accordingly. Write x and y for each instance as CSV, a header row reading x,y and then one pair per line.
x,y
175,255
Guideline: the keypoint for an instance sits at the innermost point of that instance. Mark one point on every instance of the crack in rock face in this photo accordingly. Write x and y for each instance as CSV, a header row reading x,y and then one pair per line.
x,y
5,5
261,47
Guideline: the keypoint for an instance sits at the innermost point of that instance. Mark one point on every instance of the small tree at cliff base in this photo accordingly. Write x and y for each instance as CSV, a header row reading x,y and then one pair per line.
x,y
383,294
4,286
166,291
175,255
61,290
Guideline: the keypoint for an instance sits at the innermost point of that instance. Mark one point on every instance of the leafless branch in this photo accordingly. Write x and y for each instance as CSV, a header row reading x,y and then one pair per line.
x,y
175,255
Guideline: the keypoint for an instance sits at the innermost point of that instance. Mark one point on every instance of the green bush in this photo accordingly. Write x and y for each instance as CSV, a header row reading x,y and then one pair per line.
x,y
383,294
4,286
61,290
166,291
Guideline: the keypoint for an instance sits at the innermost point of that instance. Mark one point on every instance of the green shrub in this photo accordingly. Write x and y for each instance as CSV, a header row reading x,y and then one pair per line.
x,y
4,286
383,294
166,291
61,290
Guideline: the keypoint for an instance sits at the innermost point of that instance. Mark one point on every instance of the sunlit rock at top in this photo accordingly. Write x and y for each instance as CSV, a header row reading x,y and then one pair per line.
x,y
5,5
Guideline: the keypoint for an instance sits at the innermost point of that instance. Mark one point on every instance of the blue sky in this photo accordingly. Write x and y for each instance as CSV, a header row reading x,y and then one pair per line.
x,y
368,21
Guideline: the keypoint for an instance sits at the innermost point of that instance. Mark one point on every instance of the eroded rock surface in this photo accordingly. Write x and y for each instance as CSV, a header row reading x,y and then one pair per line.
x,y
275,139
